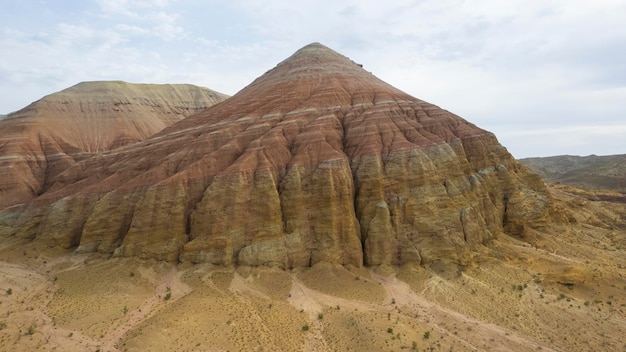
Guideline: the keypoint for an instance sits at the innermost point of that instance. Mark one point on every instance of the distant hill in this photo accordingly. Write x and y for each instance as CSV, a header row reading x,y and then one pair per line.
x,y
596,172
43,139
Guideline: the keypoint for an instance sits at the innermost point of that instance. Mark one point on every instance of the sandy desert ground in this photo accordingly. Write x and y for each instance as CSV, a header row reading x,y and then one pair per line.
x,y
562,291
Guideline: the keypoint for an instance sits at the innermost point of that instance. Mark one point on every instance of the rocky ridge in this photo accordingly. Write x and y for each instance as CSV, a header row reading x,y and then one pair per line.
x,y
592,171
40,141
315,161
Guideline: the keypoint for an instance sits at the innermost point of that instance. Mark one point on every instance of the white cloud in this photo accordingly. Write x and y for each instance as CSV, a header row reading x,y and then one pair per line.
x,y
131,8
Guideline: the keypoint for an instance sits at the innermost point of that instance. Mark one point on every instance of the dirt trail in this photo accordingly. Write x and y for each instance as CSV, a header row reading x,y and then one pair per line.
x,y
25,308
169,283
402,300
240,285
314,302
409,301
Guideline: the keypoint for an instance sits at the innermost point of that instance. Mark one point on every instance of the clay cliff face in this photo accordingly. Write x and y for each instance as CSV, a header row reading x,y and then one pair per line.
x,y
315,161
50,135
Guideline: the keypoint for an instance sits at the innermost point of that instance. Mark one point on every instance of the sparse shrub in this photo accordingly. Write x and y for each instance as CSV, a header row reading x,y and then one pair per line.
x,y
561,296
125,310
167,296
132,273
31,329
3,325
390,330
70,334
305,327
414,346
393,301
320,316
9,291
427,334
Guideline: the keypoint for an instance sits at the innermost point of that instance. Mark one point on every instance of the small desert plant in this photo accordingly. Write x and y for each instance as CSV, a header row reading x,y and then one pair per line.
x,y
31,329
132,273
125,310
393,301
167,296
427,334
320,316
414,346
305,327
3,325
390,330
9,291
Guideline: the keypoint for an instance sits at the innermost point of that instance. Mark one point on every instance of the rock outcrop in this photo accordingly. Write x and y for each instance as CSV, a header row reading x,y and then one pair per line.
x,y
48,136
315,161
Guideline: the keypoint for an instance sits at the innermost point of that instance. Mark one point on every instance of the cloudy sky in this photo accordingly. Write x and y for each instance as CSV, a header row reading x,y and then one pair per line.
x,y
547,77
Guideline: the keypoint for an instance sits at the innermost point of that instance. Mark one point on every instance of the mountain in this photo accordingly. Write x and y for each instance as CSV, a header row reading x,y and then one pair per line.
x,y
315,161
595,172
319,209
48,136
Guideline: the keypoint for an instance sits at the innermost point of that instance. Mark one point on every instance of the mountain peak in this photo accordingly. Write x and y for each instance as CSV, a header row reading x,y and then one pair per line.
x,y
315,61
316,161
316,49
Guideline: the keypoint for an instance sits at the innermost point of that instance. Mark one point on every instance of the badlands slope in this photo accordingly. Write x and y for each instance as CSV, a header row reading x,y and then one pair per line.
x,y
40,141
319,209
